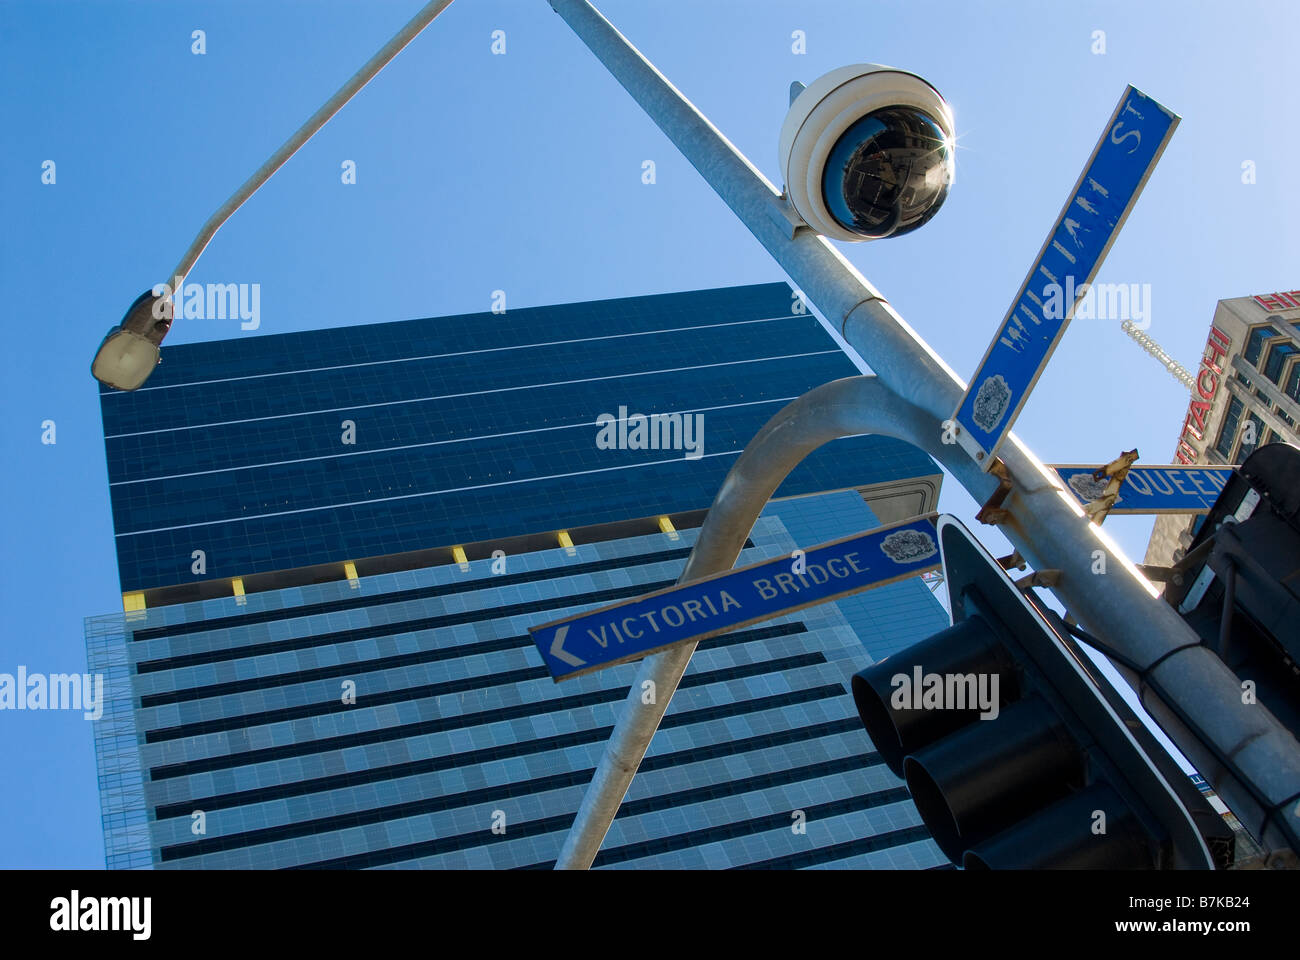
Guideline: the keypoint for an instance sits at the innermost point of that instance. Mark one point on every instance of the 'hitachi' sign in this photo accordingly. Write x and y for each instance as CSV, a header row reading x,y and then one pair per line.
x,y
1290,300
1207,386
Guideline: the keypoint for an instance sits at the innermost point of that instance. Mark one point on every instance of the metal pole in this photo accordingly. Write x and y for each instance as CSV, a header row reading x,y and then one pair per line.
x,y
841,408
333,105
1242,750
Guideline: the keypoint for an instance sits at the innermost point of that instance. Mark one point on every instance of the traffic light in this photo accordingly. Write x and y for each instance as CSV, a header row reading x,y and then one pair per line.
x,y
1238,586
1017,752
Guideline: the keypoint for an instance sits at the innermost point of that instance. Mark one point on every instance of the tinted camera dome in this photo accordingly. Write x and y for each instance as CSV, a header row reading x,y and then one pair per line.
x,y
888,174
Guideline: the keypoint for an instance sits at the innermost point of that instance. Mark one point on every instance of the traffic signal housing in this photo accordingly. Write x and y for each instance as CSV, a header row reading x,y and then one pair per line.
x,y
1238,585
1238,588
1017,752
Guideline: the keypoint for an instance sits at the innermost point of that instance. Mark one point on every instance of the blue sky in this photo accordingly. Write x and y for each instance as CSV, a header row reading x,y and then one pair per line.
x,y
522,172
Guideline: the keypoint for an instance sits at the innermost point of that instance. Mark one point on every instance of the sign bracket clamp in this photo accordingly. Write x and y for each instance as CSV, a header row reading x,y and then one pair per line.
x,y
1117,472
993,512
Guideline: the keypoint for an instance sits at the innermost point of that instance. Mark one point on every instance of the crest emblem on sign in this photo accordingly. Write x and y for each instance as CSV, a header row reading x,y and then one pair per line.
x,y
991,403
908,546
1089,488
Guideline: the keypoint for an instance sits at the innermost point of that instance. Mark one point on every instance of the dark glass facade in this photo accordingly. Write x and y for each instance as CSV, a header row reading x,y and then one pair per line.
x,y
405,719
464,429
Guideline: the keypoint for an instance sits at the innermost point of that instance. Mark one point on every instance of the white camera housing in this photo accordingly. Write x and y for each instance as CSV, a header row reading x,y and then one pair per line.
x,y
825,110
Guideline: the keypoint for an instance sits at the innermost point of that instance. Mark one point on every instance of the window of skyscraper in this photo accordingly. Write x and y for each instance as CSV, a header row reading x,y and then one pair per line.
x,y
1256,343
1258,433
1228,433
1277,358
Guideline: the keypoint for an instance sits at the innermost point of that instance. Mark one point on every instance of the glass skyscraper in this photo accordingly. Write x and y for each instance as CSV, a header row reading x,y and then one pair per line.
x,y
296,450
331,546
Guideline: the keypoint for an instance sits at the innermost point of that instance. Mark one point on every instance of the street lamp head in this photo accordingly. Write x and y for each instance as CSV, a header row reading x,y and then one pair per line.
x,y
130,352
867,152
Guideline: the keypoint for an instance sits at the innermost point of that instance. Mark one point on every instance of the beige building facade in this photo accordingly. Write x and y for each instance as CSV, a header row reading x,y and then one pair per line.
x,y
1246,394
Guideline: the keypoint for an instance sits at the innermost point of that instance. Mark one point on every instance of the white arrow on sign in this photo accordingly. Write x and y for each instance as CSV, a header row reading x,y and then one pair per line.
x,y
558,651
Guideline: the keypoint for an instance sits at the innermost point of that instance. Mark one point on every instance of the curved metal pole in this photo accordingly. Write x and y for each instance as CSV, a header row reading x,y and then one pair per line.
x,y
841,408
1241,749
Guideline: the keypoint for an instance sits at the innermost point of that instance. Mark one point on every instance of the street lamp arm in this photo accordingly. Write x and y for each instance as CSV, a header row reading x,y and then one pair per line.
x,y
304,133
128,355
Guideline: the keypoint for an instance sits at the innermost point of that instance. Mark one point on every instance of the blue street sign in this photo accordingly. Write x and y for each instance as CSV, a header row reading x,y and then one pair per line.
x,y
1169,488
704,608
1092,217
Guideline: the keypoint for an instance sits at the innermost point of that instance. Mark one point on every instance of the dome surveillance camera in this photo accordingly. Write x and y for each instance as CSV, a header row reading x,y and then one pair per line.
x,y
866,152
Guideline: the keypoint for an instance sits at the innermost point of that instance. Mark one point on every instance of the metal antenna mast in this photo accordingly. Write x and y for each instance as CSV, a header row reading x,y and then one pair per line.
x,y
1181,373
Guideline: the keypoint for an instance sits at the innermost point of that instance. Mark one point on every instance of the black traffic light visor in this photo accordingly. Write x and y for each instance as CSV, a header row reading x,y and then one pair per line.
x,y
1084,690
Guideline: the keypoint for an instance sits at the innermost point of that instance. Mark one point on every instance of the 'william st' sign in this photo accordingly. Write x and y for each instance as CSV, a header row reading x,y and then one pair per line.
x,y
1134,138
704,608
